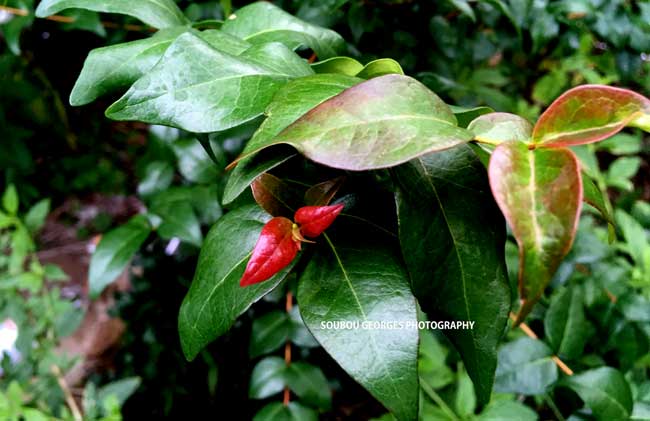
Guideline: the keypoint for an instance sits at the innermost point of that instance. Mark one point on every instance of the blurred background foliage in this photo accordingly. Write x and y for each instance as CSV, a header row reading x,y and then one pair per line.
x,y
513,55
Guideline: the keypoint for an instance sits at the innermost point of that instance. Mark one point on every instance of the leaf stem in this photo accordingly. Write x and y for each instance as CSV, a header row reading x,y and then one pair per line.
x,y
486,141
287,350
554,408
74,408
438,400
204,140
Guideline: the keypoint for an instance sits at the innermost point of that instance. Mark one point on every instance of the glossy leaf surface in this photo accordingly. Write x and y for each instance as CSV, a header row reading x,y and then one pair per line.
x,y
376,124
114,252
496,128
200,89
360,280
264,22
590,113
274,250
313,220
273,195
452,236
204,314
157,13
109,69
540,193
289,104
322,194
605,391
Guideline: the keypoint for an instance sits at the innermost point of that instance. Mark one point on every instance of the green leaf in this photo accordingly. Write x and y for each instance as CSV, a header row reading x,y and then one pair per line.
x,y
466,115
621,171
355,129
35,217
339,65
464,400
634,234
110,69
590,113
157,13
114,252
10,200
380,67
593,195
264,22
178,220
121,389
290,103
500,410
431,362
54,273
269,333
464,7
310,384
226,249
194,164
362,280
13,29
200,89
525,366
268,378
605,391
540,193
277,411
452,238
496,128
157,177
565,325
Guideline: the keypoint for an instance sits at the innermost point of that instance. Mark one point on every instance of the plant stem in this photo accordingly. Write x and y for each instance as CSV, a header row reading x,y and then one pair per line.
x,y
287,349
438,400
74,408
554,408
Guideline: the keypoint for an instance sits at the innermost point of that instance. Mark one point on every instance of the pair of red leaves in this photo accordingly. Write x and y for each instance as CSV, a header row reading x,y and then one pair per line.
x,y
281,239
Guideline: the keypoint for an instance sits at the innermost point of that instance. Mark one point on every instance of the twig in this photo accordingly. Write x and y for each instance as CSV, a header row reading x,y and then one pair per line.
x,y
287,350
74,408
69,19
529,332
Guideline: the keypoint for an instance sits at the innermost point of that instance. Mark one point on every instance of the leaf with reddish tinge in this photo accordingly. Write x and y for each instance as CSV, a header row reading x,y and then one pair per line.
x,y
496,128
379,123
313,220
540,193
273,195
590,113
275,249
321,194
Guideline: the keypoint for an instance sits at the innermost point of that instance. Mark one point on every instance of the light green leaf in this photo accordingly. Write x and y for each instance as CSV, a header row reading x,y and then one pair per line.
x,y
225,252
264,22
114,252
339,65
178,220
200,89
380,67
525,366
157,177
605,391
565,324
268,378
496,128
157,13
35,217
10,200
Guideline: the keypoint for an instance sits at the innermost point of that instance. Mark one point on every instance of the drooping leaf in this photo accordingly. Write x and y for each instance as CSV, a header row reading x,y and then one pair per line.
x,y
313,220
322,194
264,22
540,193
109,69
565,324
590,113
157,13
339,65
275,250
362,280
496,128
453,236
273,195
114,252
605,391
526,367
200,89
290,103
226,249
380,67
355,129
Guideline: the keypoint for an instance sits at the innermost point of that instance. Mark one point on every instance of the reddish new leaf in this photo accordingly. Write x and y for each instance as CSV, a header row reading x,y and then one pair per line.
x,y
273,195
313,220
321,194
540,193
590,113
275,249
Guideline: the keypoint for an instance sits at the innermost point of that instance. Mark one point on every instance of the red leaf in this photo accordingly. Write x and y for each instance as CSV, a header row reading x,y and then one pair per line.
x,y
275,249
590,113
314,220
